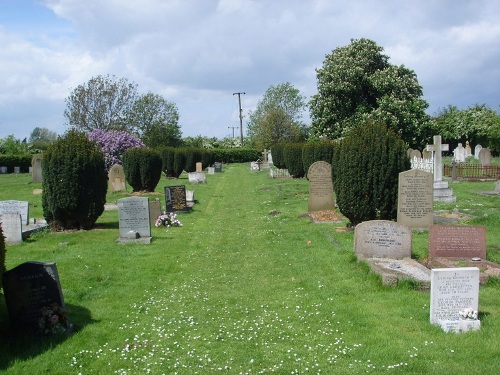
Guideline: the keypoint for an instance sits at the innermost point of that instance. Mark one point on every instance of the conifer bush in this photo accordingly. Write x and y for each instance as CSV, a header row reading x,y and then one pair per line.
x,y
277,155
179,161
142,167
365,170
2,254
292,154
207,158
193,156
317,151
167,161
74,182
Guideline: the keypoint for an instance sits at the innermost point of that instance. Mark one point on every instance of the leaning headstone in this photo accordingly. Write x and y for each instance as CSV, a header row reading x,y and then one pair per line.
x,y
453,290
12,228
382,239
36,163
442,193
16,207
319,175
134,219
459,154
154,211
477,149
485,157
29,288
116,179
457,241
218,166
199,167
415,199
175,198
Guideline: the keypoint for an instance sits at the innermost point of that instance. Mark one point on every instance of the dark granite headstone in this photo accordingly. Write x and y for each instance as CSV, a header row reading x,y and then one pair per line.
x,y
175,199
218,166
28,289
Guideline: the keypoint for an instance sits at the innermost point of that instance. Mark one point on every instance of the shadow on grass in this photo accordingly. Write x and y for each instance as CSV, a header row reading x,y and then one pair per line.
x,y
16,346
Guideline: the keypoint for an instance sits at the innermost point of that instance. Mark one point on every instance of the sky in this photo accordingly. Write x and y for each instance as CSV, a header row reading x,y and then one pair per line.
x,y
198,53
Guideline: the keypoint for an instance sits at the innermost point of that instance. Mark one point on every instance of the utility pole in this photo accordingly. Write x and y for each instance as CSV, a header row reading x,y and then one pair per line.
x,y
232,127
241,115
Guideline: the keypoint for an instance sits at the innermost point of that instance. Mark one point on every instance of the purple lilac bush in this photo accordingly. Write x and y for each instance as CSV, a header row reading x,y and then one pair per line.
x,y
113,144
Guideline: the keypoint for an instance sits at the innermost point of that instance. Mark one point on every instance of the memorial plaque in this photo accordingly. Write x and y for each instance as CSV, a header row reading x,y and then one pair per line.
x,y
415,198
175,198
36,163
218,166
12,228
452,290
457,241
116,179
319,175
382,239
16,207
134,216
28,288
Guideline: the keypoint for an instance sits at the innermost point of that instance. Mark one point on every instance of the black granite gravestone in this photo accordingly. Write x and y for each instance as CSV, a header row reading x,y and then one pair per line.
x,y
175,199
218,166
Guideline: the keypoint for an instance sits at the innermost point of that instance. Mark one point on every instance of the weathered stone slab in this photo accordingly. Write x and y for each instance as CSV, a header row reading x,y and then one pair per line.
x,y
382,239
16,207
36,163
457,241
134,216
415,199
319,175
12,228
154,211
116,179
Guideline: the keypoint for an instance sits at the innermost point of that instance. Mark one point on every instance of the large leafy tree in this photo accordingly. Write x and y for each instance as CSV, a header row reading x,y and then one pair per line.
x,y
41,138
278,117
102,103
156,120
357,83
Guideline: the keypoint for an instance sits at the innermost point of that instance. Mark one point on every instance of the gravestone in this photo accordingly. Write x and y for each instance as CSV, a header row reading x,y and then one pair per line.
x,y
382,239
12,228
17,170
468,151
415,154
319,175
154,211
459,154
427,155
415,199
442,193
485,157
452,290
218,167
16,207
199,167
175,199
116,179
457,241
36,163
497,186
3,170
134,219
197,177
210,170
477,149
28,288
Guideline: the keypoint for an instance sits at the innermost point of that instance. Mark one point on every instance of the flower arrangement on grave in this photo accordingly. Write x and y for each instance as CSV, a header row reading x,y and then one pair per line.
x,y
168,220
469,314
53,320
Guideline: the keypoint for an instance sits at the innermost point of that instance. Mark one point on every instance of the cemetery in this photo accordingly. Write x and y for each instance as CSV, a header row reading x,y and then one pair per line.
x,y
246,284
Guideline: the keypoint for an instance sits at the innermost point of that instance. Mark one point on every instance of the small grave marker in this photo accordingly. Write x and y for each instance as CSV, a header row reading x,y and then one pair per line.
x,y
199,167
485,157
457,241
154,211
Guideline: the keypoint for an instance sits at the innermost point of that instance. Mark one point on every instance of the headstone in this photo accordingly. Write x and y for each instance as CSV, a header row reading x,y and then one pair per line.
x,y
16,207
116,179
477,149
415,199
485,157
427,155
459,154
197,177
199,167
468,151
175,198
382,239
36,163
452,290
12,228
210,170
319,175
497,186
218,166
17,170
3,170
457,241
28,289
415,154
134,217
190,195
442,192
154,211
270,157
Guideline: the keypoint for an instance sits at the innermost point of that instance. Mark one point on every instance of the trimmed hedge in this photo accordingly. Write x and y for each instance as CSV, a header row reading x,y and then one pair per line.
x,y
292,153
142,167
317,151
193,156
277,155
167,155
179,161
74,182
236,155
11,161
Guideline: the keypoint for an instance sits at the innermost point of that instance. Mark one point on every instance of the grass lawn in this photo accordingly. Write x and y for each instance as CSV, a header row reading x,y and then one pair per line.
x,y
245,286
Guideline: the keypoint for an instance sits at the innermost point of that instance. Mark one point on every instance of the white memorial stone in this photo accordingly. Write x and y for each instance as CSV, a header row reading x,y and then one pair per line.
x,y
16,207
12,228
459,154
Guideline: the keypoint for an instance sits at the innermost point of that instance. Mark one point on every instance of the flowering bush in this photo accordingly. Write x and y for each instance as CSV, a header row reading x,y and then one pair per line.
x,y
54,320
168,220
468,313
113,144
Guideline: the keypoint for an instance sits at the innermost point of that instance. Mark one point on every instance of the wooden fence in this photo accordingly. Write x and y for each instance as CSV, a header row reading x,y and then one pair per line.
x,y
471,171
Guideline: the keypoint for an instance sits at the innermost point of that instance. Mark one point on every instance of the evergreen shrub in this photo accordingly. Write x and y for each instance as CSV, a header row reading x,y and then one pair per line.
x,y
193,156
142,167
277,155
11,161
292,153
74,182
167,161
2,254
236,155
179,161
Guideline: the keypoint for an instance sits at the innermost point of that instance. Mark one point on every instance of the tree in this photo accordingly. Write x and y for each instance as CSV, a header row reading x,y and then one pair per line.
x,y
357,83
277,117
102,103
41,138
156,120
10,145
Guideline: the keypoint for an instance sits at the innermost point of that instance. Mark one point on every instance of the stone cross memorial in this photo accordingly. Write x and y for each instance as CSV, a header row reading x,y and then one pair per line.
x,y
415,199
29,288
320,187
134,221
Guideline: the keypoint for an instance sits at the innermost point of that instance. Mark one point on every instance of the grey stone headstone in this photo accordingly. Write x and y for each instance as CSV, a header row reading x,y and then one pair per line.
x,y
211,170
477,149
485,157
319,175
36,163
218,166
415,199
197,177
175,198
16,207
3,170
497,186
134,216
415,154
452,290
154,211
459,154
17,170
382,239
12,228
28,288
116,179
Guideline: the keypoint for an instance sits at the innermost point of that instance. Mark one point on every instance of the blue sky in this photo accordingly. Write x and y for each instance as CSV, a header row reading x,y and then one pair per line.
x,y
197,53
